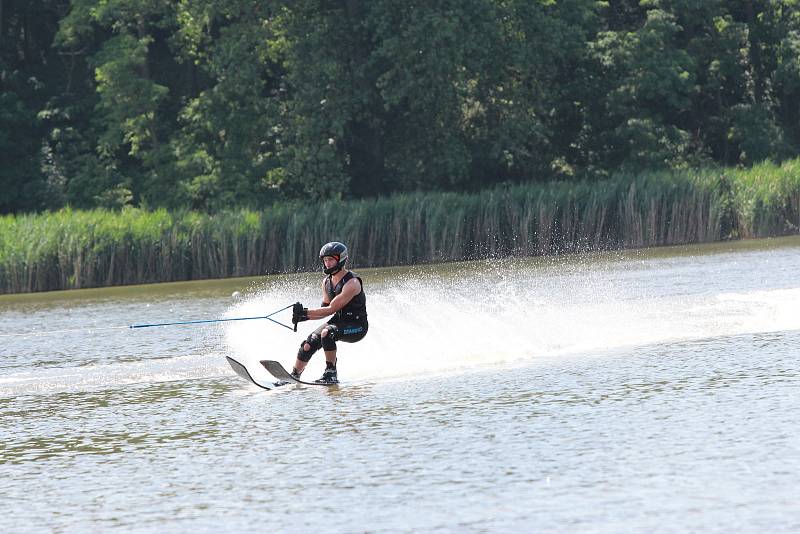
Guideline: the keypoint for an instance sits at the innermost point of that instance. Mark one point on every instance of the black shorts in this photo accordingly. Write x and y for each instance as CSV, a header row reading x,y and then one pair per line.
x,y
344,331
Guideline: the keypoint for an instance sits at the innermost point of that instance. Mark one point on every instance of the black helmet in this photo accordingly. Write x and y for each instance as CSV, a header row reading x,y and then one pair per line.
x,y
336,250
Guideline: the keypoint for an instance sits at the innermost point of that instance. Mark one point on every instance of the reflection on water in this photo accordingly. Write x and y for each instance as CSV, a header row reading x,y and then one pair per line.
x,y
104,421
628,394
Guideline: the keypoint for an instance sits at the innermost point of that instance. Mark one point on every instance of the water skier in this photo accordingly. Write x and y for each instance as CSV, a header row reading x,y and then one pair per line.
x,y
343,297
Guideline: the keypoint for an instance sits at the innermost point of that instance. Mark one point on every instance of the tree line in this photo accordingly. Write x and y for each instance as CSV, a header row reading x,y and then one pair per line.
x,y
218,104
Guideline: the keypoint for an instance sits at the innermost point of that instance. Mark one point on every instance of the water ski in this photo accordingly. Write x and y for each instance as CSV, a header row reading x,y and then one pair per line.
x,y
242,371
276,369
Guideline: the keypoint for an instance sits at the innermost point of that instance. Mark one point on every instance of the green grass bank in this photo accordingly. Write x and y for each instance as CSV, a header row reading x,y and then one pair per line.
x,y
77,249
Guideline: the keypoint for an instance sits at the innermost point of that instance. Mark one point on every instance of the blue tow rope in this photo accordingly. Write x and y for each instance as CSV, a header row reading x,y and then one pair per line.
x,y
267,317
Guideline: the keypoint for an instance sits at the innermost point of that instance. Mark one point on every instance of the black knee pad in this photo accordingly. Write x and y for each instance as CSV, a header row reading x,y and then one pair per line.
x,y
315,343
329,341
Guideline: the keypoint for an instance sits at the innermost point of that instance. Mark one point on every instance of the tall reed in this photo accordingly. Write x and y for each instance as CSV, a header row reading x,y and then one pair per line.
x,y
766,199
74,249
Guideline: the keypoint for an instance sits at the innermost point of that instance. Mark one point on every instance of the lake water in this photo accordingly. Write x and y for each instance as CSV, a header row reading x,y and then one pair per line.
x,y
652,391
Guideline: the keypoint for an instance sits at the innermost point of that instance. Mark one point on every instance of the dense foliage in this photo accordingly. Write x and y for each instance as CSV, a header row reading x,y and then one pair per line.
x,y
215,104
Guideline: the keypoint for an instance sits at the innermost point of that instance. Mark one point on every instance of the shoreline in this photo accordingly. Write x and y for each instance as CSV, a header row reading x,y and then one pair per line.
x,y
72,249
237,283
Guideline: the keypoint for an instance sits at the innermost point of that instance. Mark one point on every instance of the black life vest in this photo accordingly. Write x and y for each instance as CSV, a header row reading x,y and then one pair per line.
x,y
356,309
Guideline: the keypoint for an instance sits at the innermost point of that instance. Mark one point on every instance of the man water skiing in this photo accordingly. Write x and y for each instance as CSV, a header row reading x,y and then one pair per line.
x,y
343,297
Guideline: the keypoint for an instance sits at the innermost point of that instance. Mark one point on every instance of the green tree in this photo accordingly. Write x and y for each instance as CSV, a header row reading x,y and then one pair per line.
x,y
649,78
30,71
211,104
226,149
533,91
21,183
